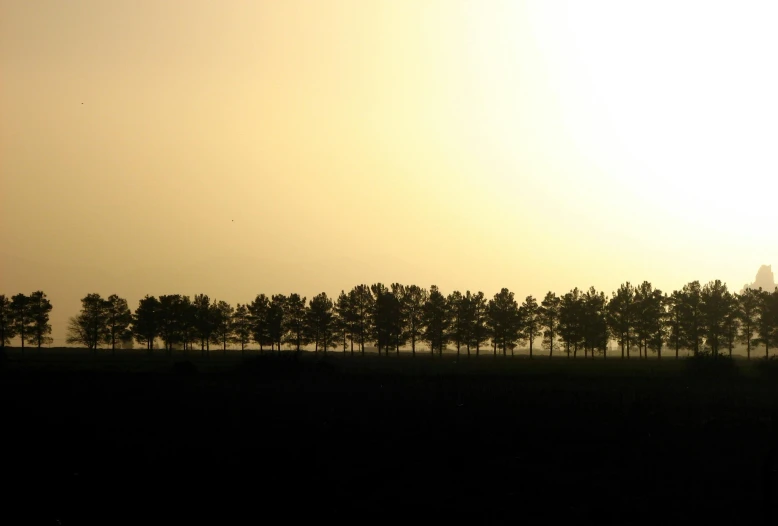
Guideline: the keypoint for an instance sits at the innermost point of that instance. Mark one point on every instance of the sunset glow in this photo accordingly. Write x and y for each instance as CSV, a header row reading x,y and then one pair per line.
x,y
237,147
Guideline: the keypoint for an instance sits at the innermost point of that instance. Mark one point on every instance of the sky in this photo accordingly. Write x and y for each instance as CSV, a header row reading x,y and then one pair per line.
x,y
244,147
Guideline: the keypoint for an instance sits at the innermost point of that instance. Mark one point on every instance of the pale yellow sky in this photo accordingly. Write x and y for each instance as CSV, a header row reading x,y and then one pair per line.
x,y
471,144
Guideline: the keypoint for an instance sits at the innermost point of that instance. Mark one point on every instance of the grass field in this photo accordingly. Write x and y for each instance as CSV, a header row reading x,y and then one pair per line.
x,y
107,439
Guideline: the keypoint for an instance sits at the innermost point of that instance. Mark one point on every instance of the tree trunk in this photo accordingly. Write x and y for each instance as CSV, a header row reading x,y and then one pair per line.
x,y
530,347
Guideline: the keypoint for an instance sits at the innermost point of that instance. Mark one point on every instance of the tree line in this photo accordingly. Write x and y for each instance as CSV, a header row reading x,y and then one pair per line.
x,y
26,317
641,318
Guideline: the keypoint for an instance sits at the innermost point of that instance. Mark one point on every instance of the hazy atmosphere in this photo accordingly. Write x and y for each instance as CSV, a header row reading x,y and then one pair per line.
x,y
241,147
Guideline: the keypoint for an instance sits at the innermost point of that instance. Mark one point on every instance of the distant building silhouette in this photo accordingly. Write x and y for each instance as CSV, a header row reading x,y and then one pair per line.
x,y
764,279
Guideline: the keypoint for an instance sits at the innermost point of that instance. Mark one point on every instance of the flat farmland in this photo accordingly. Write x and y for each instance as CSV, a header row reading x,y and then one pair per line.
x,y
115,439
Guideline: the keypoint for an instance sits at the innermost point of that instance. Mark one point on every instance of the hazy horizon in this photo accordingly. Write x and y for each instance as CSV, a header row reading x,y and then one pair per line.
x,y
276,147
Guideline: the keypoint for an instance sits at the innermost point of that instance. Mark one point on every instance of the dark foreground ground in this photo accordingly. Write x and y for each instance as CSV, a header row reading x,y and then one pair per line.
x,y
135,440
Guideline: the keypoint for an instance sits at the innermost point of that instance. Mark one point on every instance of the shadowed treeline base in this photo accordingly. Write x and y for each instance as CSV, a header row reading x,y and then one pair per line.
x,y
359,441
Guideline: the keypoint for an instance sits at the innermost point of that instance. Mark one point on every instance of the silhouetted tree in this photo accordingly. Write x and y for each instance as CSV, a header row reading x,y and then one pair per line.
x,y
674,320
117,319
478,332
21,317
381,316
529,314
549,320
715,306
692,317
749,317
399,325
412,305
188,323
571,321
259,310
90,326
171,313
620,316
595,325
241,327
204,321
295,321
458,307
275,320
6,322
344,320
767,326
731,324
321,322
361,300
40,307
435,321
145,321
649,318
504,321
222,323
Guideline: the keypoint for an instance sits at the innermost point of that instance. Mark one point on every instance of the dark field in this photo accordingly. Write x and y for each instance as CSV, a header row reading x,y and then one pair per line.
x,y
135,439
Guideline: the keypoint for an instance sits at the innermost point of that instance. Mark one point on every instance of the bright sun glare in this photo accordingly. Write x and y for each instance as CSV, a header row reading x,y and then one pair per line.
x,y
683,97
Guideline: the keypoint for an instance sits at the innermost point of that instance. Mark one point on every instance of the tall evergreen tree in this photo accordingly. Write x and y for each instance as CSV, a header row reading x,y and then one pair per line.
x,y
382,316
295,321
715,306
171,320
188,323
362,303
21,317
321,322
399,326
479,314
435,321
595,325
749,317
458,307
40,307
259,310
549,321
145,321
692,317
571,321
412,305
529,314
6,322
674,320
504,321
223,332
620,316
731,324
275,320
767,325
649,318
242,326
344,321
203,320
117,319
